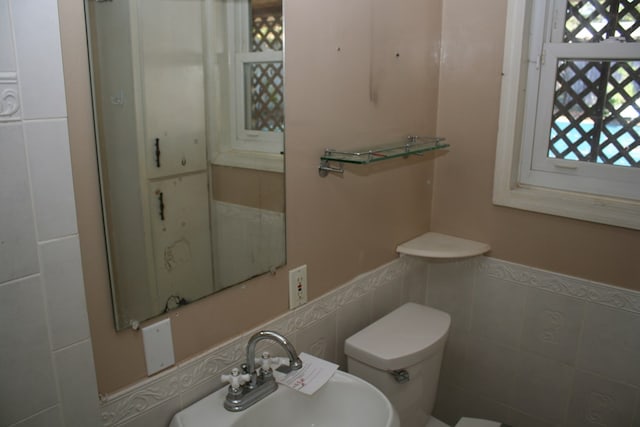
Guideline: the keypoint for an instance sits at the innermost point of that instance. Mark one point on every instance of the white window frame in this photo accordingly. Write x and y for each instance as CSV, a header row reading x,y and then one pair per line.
x,y
239,47
514,157
245,139
231,144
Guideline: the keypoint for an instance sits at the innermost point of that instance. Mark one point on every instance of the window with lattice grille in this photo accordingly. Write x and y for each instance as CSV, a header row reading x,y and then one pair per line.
x,y
586,135
569,131
258,73
266,84
596,111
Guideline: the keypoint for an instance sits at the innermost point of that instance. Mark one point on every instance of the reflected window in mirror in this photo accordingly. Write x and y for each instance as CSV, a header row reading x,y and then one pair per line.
x,y
255,78
265,80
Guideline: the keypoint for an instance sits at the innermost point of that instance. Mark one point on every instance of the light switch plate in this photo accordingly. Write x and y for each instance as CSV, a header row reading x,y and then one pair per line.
x,y
158,346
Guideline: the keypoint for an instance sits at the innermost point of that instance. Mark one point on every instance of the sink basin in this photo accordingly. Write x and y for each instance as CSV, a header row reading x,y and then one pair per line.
x,y
344,401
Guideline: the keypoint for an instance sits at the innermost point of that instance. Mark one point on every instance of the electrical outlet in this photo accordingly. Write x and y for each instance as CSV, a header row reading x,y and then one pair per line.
x,y
297,286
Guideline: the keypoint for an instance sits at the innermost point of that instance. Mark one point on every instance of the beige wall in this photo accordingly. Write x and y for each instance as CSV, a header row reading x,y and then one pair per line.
x,y
468,117
359,72
248,187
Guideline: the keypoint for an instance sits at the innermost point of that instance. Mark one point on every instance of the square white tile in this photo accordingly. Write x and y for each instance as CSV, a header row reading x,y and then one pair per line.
x,y
454,360
497,310
450,289
39,57
319,338
7,54
52,183
552,325
543,387
350,319
386,298
18,251
48,418
62,273
27,380
491,369
610,344
78,387
597,401
517,418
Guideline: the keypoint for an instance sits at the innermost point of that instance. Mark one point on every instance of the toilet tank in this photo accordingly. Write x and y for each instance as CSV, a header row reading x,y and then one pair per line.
x,y
401,355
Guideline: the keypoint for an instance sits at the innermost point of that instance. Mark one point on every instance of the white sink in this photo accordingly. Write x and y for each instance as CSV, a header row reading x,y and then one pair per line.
x,y
345,401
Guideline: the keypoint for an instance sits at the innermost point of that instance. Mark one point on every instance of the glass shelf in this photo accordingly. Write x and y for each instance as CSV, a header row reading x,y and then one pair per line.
x,y
415,145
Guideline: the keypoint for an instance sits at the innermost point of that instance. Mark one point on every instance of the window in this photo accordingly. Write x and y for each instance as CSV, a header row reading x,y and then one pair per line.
x,y
569,138
245,77
259,76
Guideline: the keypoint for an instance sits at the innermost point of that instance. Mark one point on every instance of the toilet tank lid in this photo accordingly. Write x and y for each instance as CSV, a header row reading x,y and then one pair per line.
x,y
402,338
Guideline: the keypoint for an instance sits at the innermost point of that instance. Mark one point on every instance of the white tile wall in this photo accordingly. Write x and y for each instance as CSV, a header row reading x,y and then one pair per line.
x,y
18,250
7,58
76,382
39,58
27,379
47,376
524,375
50,167
536,348
64,287
598,401
611,335
51,417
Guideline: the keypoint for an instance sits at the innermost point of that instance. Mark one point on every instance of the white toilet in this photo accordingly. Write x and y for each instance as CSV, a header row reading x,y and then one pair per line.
x,y
401,354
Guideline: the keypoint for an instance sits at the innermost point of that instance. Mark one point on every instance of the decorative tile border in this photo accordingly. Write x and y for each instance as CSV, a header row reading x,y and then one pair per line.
x,y
9,99
142,397
599,293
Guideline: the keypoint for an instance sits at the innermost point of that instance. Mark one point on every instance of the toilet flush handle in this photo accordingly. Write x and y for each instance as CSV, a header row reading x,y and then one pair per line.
x,y
400,375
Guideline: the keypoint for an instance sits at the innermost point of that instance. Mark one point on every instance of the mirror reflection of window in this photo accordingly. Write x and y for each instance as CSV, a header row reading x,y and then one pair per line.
x,y
258,40
264,81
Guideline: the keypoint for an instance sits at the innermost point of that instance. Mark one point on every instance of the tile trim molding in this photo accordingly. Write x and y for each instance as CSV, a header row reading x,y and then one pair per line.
x,y
138,399
598,293
134,401
9,98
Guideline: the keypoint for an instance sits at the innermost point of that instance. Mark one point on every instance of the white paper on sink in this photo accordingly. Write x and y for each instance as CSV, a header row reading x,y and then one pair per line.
x,y
315,373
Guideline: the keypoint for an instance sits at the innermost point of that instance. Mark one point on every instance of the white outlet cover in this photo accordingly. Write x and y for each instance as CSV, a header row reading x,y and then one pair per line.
x,y
158,346
296,298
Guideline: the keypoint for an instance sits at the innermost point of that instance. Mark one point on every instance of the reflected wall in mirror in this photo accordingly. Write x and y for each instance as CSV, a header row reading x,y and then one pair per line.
x,y
189,110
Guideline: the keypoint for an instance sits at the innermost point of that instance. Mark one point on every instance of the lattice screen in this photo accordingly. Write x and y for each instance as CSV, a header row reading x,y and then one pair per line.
x,y
266,31
267,78
267,100
596,115
597,20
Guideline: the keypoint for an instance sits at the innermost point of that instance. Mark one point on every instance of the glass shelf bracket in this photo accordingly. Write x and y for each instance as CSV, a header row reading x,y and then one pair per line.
x,y
415,145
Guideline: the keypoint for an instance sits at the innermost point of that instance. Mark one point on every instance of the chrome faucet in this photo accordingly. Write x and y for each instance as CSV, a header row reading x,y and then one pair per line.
x,y
251,386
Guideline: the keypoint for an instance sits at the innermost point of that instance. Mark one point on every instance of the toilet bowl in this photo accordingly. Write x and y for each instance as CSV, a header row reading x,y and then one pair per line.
x,y
401,354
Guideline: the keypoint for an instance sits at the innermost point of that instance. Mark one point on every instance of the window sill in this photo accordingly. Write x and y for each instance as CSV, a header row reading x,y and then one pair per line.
x,y
250,160
616,212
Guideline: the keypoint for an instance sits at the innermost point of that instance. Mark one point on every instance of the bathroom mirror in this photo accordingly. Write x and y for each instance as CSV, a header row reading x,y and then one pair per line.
x,y
189,113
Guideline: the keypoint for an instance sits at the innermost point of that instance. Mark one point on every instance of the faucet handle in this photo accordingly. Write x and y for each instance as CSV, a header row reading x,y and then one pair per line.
x,y
267,363
235,379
